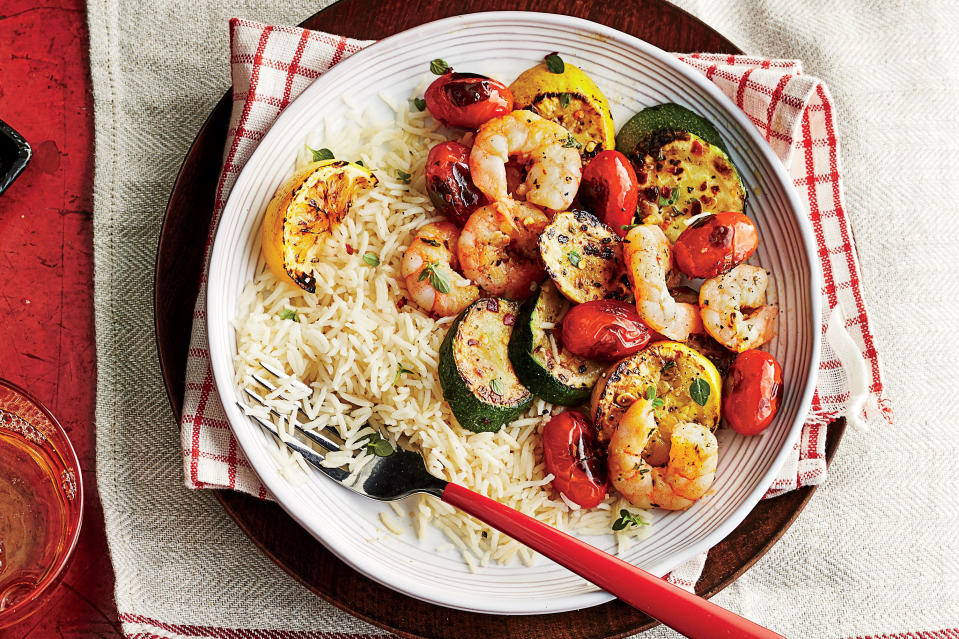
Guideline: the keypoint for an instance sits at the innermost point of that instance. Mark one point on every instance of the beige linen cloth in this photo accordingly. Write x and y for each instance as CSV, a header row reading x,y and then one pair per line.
x,y
877,550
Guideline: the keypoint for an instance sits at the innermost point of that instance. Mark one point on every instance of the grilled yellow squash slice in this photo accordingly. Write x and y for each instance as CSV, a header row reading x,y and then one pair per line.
x,y
687,383
571,99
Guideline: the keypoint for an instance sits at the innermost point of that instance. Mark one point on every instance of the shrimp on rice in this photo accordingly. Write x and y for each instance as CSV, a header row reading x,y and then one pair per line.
x,y
430,269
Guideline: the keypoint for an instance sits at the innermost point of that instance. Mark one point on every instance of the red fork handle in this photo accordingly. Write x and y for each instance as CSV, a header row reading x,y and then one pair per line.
x,y
685,612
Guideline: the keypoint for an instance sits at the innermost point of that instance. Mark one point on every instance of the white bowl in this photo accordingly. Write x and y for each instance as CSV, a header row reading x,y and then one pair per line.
x,y
633,75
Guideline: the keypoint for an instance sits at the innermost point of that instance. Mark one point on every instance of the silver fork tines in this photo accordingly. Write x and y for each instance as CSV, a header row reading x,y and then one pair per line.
x,y
320,439
309,454
390,477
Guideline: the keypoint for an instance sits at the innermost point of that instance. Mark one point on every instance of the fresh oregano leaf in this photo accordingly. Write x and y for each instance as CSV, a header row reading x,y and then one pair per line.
x,y
627,518
699,391
400,370
320,155
438,279
379,446
555,63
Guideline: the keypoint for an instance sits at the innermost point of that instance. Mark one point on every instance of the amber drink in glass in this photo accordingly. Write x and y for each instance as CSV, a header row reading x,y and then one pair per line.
x,y
41,501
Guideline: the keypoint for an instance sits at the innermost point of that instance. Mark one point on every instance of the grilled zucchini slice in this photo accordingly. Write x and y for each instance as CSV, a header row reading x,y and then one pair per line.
x,y
678,374
547,369
665,117
682,165
475,373
682,175
584,257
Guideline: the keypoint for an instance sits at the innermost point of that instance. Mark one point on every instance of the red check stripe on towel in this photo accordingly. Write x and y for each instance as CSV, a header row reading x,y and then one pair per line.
x,y
141,627
271,65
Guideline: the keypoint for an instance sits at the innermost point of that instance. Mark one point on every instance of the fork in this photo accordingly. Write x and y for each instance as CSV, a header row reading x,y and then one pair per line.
x,y
404,472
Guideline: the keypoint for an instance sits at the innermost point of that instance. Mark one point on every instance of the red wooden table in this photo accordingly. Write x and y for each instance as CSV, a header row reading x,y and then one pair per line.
x,y
46,275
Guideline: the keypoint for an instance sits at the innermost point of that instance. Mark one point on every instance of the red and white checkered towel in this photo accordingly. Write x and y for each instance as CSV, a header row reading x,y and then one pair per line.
x,y
271,65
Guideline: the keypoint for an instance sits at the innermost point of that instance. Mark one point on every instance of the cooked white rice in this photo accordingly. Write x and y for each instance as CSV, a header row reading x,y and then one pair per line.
x,y
354,333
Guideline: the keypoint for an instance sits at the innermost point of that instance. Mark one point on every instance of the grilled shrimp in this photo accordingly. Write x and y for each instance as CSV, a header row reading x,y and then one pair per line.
x,y
648,261
433,251
555,168
734,309
687,476
498,248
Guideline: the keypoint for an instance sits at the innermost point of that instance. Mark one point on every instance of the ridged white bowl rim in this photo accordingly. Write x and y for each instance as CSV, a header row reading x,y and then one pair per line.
x,y
251,439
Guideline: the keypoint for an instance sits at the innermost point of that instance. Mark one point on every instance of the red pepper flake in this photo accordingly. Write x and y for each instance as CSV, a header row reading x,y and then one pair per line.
x,y
509,319
702,187
695,208
664,191
471,342
492,304
697,148
349,250
651,193
641,177
714,188
400,303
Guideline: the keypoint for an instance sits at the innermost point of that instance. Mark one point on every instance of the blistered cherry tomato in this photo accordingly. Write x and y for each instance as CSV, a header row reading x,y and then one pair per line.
x,y
448,182
604,329
467,100
752,392
609,190
715,244
572,456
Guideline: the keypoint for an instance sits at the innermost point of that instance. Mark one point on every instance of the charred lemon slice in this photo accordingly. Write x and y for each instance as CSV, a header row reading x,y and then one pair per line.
x,y
686,381
304,209
569,98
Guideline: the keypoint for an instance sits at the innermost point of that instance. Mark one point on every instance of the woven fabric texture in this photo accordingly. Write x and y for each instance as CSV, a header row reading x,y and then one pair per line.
x,y
875,551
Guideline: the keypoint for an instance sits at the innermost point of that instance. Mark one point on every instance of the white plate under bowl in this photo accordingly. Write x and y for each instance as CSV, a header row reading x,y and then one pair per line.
x,y
633,75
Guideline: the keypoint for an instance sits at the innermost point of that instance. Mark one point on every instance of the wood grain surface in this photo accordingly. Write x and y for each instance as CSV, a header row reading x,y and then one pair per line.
x,y
295,550
46,277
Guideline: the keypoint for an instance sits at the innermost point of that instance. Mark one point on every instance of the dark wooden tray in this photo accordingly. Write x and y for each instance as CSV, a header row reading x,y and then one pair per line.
x,y
178,267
